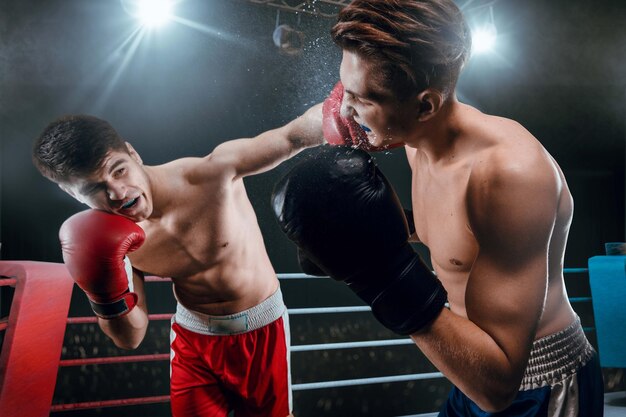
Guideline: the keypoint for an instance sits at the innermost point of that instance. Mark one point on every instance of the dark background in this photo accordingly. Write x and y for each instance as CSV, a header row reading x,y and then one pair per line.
x,y
560,70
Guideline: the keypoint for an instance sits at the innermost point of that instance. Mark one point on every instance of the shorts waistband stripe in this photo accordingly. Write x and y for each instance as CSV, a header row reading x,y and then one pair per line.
x,y
254,318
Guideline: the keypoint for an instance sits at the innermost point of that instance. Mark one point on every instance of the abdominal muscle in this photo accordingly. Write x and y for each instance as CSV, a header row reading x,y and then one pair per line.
x,y
226,289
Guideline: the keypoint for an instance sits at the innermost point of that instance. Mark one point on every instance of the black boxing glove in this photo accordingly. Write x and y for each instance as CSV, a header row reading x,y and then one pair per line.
x,y
410,221
308,266
340,210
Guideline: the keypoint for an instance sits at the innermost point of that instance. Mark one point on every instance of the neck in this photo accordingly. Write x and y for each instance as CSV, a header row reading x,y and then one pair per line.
x,y
159,196
438,135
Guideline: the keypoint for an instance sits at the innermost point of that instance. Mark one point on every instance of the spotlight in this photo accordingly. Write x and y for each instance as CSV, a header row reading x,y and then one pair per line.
x,y
151,13
154,13
484,39
484,35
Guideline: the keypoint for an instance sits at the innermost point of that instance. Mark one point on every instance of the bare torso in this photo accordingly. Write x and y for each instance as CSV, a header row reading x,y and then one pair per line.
x,y
439,198
207,239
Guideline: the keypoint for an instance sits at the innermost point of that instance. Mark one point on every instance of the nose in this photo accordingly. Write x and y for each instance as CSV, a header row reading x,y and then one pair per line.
x,y
116,191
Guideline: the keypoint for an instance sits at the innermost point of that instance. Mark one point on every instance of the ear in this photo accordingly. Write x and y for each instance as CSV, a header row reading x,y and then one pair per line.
x,y
430,102
133,153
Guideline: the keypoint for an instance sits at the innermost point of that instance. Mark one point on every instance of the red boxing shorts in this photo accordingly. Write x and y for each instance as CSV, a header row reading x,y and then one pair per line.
x,y
237,362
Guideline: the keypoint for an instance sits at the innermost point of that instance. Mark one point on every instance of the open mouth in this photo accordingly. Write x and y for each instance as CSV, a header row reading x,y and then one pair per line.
x,y
130,203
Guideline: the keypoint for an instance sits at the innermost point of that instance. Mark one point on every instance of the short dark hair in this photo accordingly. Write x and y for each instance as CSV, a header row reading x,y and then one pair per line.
x,y
417,44
74,145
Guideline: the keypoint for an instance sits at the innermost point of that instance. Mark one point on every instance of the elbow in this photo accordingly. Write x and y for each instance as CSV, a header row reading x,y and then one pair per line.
x,y
134,339
497,399
126,345
496,405
127,336
129,343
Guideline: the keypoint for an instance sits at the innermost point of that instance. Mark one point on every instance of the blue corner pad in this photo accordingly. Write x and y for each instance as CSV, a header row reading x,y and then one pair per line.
x,y
607,279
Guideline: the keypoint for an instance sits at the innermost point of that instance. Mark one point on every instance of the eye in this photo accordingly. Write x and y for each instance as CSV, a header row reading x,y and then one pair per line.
x,y
360,100
93,190
119,172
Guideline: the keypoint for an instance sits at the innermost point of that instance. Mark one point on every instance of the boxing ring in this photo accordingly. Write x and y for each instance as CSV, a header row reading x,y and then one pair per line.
x,y
33,336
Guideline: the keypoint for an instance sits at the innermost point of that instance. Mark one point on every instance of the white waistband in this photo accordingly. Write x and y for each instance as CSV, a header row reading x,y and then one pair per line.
x,y
253,318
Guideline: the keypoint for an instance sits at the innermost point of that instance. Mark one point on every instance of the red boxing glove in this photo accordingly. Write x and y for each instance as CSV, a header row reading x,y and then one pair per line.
x,y
339,130
94,245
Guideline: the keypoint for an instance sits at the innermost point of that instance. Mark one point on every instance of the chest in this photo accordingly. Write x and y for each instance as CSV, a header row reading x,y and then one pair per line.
x,y
441,219
189,239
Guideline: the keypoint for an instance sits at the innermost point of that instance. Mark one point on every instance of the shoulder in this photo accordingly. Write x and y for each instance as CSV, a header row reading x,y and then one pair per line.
x,y
189,170
512,157
513,178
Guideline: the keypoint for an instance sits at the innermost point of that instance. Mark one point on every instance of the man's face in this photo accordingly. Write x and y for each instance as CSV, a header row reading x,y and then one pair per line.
x,y
386,119
119,186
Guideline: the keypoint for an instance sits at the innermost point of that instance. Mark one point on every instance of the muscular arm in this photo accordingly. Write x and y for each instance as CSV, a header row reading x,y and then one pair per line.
x,y
241,157
128,331
511,210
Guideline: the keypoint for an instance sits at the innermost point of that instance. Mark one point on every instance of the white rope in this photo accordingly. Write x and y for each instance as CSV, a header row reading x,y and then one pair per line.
x,y
365,381
350,345
322,310
299,275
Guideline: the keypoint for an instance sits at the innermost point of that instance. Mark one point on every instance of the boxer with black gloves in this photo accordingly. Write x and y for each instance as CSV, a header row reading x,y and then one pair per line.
x,y
488,201
341,212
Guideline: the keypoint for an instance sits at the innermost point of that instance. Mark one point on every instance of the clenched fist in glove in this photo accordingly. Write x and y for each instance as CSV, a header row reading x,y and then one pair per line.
x,y
94,245
339,130
341,212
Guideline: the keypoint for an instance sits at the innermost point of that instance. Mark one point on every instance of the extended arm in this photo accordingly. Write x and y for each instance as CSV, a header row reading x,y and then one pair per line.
x,y
511,211
241,157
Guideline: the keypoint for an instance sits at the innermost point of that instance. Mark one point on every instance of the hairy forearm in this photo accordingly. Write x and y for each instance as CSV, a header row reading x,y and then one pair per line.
x,y
127,331
249,156
471,360
306,130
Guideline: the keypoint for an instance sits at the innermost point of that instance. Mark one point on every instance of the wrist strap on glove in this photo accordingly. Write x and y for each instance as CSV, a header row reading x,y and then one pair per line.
x,y
404,294
116,308
411,302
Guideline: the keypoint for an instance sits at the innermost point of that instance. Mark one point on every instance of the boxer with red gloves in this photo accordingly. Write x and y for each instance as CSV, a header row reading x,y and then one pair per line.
x,y
191,220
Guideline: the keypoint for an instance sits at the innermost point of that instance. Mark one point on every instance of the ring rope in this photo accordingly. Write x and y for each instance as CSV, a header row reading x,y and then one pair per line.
x,y
365,381
351,345
115,359
296,348
110,403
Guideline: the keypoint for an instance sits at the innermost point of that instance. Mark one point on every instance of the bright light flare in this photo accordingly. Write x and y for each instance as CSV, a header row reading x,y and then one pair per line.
x,y
484,39
153,13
